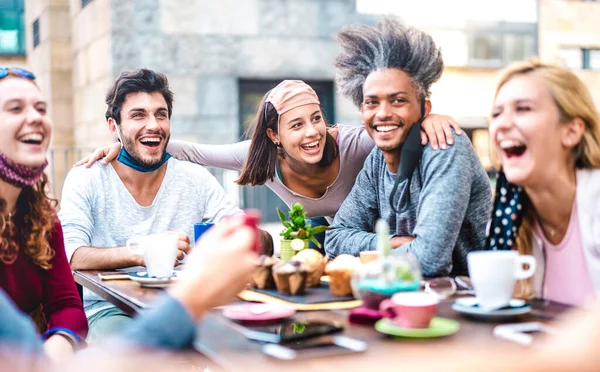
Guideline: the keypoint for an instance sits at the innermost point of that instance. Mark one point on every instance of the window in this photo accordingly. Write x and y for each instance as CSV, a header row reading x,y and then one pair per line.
x,y
12,27
591,59
85,3
497,45
36,32
580,58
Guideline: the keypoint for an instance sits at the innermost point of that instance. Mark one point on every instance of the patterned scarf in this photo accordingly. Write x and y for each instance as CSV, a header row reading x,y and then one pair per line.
x,y
506,216
19,175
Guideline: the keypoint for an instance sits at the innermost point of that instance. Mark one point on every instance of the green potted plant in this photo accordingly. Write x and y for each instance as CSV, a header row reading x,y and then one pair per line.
x,y
297,232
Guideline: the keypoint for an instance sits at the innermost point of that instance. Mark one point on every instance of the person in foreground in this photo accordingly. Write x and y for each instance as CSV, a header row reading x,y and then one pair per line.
x,y
293,151
34,271
546,133
170,323
143,192
440,211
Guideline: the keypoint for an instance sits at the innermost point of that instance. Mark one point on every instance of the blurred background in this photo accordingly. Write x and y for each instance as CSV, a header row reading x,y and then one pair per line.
x,y
222,56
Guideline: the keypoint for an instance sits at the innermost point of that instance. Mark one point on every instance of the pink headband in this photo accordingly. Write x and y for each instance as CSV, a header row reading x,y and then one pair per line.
x,y
290,94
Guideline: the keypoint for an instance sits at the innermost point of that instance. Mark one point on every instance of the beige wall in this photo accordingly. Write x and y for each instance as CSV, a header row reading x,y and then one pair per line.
x,y
92,71
465,94
564,24
13,61
51,61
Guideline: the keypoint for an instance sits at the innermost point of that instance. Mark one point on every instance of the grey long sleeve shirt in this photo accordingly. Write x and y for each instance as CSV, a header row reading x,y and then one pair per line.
x,y
448,209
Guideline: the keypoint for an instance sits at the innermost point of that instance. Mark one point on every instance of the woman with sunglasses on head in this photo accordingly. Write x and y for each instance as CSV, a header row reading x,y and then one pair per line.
x,y
293,151
546,132
34,271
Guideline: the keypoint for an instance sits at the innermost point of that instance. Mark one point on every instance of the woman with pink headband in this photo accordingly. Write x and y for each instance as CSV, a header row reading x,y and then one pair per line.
x,y
293,151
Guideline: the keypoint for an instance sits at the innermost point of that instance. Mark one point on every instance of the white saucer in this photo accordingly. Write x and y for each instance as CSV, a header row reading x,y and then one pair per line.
x,y
149,282
468,306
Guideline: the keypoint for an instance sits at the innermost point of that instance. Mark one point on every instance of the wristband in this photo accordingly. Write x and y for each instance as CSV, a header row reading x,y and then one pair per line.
x,y
71,336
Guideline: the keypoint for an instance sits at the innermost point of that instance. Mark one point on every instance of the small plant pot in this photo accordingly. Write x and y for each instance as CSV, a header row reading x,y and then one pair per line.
x,y
287,252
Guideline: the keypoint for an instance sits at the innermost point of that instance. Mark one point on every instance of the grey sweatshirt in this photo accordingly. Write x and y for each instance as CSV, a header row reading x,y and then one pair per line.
x,y
449,205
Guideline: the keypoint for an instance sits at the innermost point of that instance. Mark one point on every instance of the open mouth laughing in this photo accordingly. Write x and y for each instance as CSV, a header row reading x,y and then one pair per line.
x,y
512,149
32,138
152,142
311,148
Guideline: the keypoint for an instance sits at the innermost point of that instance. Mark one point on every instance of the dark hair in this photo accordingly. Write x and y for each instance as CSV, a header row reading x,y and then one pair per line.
x,y
388,45
261,161
134,81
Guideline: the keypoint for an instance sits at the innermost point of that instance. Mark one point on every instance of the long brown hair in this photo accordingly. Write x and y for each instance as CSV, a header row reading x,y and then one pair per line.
x,y
31,226
261,161
573,100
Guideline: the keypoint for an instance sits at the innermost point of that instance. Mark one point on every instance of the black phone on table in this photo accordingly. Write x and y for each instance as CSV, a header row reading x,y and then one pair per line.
x,y
290,331
322,346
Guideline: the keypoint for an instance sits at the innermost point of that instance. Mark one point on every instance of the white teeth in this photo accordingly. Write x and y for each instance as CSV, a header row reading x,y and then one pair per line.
x,y
312,144
386,128
35,137
506,144
150,139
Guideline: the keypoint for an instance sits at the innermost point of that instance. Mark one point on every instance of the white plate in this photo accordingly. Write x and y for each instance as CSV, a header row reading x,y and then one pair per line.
x,y
142,278
476,311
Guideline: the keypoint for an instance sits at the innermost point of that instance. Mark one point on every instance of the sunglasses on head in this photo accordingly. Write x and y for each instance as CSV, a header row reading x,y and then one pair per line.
x,y
4,71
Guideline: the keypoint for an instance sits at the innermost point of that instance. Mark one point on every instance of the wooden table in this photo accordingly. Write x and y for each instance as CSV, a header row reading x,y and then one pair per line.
x,y
219,341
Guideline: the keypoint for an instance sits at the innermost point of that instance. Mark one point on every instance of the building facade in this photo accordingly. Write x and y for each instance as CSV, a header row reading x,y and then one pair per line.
x,y
221,56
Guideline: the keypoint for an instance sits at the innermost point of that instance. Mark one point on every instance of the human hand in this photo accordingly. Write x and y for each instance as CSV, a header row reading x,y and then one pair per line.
x,y
58,348
107,153
436,129
183,245
399,241
575,338
218,269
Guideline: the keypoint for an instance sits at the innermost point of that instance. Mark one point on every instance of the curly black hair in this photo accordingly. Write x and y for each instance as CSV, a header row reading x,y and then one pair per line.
x,y
389,44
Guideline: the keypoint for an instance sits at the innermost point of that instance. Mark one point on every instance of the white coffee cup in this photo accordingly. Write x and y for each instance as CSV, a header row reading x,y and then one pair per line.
x,y
494,274
159,252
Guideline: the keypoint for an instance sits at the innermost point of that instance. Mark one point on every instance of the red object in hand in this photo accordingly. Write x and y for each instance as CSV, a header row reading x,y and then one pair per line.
x,y
252,218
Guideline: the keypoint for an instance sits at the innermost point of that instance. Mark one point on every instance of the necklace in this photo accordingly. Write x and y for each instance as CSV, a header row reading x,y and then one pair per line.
x,y
553,231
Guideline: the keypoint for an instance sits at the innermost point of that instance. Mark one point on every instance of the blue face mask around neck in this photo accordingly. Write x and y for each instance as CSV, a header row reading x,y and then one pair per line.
x,y
125,158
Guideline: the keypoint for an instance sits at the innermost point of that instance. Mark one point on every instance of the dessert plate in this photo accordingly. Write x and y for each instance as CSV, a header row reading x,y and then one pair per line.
x,y
150,282
252,312
439,327
470,306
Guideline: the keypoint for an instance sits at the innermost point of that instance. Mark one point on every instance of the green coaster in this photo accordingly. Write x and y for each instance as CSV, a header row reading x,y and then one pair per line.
x,y
439,327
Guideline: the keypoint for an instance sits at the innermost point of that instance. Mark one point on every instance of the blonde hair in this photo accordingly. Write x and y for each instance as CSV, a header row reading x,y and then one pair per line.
x,y
573,100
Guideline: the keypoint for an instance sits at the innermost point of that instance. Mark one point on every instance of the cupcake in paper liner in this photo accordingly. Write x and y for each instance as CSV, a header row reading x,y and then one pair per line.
x,y
314,263
263,276
340,274
290,277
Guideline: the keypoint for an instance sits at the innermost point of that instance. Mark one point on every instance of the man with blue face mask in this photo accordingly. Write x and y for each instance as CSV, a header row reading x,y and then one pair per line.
x,y
144,191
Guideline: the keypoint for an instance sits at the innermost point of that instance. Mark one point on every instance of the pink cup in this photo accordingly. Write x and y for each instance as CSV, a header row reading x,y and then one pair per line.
x,y
410,309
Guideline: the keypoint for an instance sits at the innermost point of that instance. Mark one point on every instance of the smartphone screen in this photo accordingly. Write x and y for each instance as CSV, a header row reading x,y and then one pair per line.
x,y
113,275
315,347
291,331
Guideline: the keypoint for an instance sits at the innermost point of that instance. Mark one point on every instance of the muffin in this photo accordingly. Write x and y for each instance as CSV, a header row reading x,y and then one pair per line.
x,y
340,274
290,277
314,263
263,276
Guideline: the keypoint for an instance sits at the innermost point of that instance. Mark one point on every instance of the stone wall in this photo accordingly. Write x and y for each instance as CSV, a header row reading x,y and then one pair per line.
x,y
205,47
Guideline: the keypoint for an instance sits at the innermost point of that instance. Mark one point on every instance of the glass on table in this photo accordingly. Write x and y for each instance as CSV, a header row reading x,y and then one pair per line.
x,y
445,287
